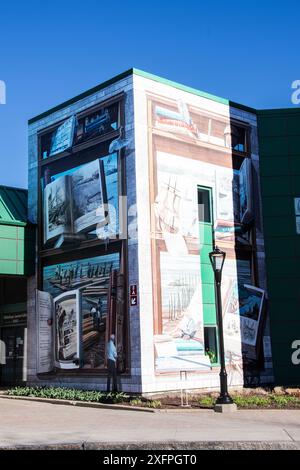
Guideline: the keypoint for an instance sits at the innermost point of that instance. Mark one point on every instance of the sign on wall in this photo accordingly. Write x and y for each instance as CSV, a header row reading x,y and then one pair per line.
x,y
62,138
133,295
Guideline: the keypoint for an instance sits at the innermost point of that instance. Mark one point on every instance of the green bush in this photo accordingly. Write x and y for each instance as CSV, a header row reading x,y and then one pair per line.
x,y
212,356
62,393
242,401
153,404
256,401
266,401
284,400
206,401
136,402
69,394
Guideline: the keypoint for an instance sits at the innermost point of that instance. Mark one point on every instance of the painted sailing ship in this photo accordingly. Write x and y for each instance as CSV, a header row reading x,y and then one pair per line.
x,y
167,208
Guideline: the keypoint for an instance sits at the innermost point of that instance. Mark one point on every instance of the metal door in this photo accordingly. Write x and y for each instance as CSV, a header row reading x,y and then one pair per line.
x,y
12,355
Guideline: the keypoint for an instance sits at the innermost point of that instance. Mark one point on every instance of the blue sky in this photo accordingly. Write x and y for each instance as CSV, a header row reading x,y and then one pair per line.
x,y
53,50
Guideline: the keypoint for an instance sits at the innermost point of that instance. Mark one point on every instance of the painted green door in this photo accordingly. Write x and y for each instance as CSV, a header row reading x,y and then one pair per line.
x,y
206,246
205,221
207,275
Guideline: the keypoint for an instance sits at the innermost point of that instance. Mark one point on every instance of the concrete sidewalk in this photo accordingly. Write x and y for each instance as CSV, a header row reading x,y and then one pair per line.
x,y
43,425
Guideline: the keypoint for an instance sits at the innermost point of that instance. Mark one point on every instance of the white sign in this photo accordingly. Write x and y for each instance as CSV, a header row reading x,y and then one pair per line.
x,y
62,138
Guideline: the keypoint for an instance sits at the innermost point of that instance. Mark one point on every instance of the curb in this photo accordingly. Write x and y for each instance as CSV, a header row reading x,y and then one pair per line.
x,y
89,404
168,445
86,404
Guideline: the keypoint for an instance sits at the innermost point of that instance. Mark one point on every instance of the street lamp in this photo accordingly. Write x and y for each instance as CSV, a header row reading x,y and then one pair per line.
x,y
217,258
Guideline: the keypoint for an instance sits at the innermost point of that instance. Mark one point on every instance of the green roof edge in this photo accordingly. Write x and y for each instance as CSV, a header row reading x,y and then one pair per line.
x,y
150,76
14,223
16,188
188,89
194,91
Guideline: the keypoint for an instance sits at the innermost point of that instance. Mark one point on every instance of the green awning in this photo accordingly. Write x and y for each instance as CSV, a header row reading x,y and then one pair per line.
x,y
16,234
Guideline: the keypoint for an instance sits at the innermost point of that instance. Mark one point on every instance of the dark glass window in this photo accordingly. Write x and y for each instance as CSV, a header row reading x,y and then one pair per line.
x,y
204,205
236,137
98,123
78,129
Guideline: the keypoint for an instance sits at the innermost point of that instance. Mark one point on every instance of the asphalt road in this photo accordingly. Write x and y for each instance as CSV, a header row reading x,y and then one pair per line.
x,y
24,423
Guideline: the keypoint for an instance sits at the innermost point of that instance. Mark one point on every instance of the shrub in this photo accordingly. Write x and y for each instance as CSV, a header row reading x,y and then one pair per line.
x,y
69,394
136,402
284,400
153,404
212,356
206,401
259,401
256,401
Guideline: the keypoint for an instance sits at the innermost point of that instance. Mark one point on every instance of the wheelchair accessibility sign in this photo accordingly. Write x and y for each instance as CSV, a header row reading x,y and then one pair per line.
x,y
133,295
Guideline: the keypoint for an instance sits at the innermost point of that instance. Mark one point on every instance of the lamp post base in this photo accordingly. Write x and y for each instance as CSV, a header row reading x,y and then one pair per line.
x,y
224,399
225,408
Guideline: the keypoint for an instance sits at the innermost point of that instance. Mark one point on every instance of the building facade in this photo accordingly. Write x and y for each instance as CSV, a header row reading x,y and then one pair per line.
x,y
279,142
16,263
131,185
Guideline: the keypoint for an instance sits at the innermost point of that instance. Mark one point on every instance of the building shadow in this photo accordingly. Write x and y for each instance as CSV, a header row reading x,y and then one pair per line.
x,y
245,297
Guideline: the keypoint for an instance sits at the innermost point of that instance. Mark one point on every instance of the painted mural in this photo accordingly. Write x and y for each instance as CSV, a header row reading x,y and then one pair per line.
x,y
191,150
82,203
79,291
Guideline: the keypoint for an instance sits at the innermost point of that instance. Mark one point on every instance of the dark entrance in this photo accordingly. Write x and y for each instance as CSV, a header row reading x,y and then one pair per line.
x,y
12,370
13,320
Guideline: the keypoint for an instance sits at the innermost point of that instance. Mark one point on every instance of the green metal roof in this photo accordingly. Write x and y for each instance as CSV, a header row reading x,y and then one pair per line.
x,y
17,235
145,75
13,206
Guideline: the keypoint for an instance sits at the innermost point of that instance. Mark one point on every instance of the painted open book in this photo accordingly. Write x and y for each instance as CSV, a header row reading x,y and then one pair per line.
x,y
83,302
75,202
59,330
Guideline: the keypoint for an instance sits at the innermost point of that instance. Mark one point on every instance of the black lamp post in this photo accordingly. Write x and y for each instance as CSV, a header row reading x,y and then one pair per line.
x,y
217,258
